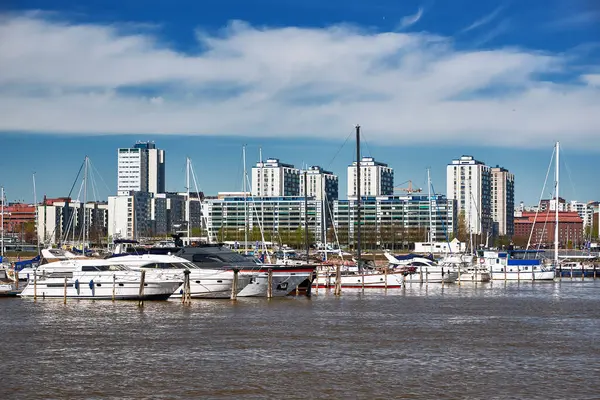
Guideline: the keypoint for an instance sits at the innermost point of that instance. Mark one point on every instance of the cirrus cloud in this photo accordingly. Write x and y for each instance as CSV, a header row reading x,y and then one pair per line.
x,y
404,88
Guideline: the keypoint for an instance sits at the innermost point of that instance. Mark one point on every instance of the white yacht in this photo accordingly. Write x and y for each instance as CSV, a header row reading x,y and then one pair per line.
x,y
98,280
427,270
204,283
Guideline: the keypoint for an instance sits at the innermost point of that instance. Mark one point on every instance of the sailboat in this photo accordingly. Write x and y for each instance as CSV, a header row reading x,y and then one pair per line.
x,y
359,276
505,265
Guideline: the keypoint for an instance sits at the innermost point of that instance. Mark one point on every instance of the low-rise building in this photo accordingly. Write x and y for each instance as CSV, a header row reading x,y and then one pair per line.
x,y
394,221
540,228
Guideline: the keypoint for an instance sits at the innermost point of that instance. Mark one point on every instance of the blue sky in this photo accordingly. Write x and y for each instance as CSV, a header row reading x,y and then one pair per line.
x,y
427,80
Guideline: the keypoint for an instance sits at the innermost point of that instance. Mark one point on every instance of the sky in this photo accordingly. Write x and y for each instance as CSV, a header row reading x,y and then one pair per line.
x,y
428,81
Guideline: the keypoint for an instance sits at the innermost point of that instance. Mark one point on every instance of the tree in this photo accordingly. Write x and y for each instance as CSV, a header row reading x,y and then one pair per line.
x,y
461,227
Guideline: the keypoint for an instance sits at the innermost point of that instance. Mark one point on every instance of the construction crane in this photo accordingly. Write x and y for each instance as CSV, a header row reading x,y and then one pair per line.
x,y
409,189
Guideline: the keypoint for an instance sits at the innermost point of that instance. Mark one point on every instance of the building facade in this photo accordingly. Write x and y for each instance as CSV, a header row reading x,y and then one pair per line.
x,y
502,201
395,221
540,227
62,221
321,184
274,178
468,182
376,178
274,217
141,169
129,217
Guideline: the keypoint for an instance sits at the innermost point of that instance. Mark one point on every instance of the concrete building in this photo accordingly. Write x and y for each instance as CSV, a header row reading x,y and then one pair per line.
x,y
141,169
394,221
550,204
276,217
468,182
585,211
502,201
320,183
129,216
376,178
62,221
570,229
274,178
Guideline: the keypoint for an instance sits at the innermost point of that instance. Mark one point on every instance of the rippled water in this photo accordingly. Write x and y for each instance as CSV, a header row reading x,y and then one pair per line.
x,y
490,341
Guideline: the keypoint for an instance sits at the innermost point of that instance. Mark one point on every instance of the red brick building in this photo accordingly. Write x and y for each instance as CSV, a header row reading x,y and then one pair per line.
x,y
570,228
16,216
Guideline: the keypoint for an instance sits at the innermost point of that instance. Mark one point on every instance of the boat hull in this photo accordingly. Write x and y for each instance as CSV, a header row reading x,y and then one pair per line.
x,y
100,290
428,276
371,281
283,283
472,277
523,276
213,288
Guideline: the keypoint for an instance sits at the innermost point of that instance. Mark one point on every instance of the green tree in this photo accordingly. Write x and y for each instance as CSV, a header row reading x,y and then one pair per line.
x,y
461,228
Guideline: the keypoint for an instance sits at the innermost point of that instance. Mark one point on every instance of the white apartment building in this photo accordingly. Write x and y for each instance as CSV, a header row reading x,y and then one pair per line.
x,y
63,221
503,201
376,178
272,178
129,216
320,183
468,182
141,169
585,211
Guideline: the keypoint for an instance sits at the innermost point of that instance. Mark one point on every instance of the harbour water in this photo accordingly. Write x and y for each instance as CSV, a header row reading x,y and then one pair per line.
x,y
485,341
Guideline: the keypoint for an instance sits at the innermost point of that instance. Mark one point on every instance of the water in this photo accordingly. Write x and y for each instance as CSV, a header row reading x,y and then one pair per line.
x,y
490,341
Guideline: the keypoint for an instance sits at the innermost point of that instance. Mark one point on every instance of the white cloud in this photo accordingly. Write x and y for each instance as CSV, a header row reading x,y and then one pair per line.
x,y
484,20
410,20
403,88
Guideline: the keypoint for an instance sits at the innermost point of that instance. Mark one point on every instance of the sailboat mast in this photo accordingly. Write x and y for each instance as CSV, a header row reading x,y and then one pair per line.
x,y
2,224
245,202
36,214
306,217
430,216
358,198
85,177
187,200
556,204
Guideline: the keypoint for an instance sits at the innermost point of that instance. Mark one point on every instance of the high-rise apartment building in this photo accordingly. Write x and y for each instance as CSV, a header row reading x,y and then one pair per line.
x,y
141,169
468,182
503,201
272,178
321,184
376,178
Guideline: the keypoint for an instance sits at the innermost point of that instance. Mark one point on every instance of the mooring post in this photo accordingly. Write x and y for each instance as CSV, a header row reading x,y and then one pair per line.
x,y
385,277
338,281
317,281
269,283
571,271
426,276
186,297
34,285
114,288
234,284
142,283
65,294
17,279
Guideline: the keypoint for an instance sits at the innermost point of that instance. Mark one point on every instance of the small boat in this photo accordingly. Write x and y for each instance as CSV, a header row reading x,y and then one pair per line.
x,y
99,280
468,270
350,277
426,269
504,266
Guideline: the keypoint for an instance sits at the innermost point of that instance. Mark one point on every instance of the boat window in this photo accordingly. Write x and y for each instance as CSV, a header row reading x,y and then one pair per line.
x,y
88,268
205,258
105,268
